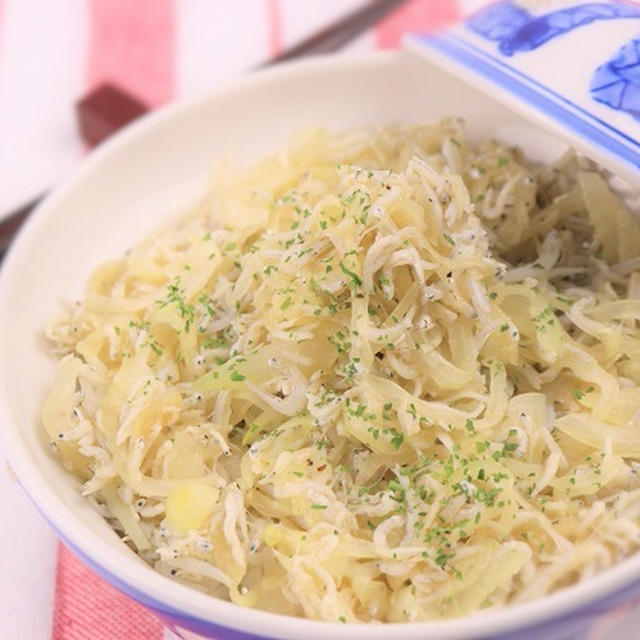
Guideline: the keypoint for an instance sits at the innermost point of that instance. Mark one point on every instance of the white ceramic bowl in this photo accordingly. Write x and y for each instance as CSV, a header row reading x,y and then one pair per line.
x,y
146,176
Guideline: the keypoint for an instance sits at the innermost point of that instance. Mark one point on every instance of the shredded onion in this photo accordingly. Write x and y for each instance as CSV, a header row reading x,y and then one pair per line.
x,y
381,376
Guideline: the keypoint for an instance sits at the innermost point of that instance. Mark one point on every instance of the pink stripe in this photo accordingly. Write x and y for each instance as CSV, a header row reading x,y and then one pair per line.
x,y
133,44
274,26
1,24
87,607
415,16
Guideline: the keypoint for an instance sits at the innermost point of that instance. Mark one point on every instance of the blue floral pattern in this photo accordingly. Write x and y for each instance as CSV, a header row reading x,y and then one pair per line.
x,y
518,30
615,83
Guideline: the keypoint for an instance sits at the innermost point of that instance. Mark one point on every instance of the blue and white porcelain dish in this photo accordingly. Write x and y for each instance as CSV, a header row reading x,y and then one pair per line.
x,y
571,67
139,181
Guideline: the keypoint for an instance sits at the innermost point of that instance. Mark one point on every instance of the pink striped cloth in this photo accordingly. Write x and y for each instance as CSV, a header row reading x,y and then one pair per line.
x,y
50,53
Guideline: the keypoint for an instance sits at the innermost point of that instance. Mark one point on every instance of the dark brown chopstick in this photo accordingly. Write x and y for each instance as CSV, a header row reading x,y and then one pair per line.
x,y
10,225
336,35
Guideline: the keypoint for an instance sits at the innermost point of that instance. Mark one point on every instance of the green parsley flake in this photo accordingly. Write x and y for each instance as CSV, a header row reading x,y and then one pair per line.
x,y
355,279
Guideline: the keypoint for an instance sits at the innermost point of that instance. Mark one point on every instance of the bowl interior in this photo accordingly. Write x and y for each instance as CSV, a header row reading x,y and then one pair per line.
x,y
142,179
